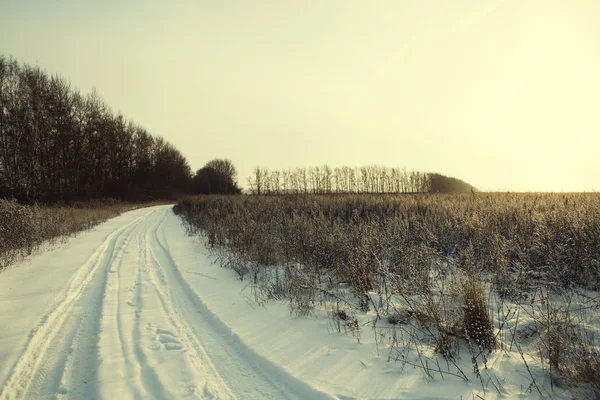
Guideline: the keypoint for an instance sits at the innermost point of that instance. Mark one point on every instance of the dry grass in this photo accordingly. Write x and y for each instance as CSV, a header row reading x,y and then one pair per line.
x,y
583,368
24,228
451,269
477,322
555,236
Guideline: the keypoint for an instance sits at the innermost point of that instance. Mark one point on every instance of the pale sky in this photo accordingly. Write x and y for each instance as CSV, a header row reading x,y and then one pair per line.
x,y
502,94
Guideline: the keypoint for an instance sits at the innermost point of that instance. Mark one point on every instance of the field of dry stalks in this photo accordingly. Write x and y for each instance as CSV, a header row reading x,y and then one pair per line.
x,y
465,275
23,229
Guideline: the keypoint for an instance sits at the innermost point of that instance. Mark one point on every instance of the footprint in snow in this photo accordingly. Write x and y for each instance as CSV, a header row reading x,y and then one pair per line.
x,y
208,392
168,340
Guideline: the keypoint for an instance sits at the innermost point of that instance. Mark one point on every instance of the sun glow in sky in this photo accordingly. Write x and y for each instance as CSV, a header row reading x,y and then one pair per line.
x,y
502,94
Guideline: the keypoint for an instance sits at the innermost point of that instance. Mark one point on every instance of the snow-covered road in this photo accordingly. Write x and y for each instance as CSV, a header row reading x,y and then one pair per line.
x,y
109,315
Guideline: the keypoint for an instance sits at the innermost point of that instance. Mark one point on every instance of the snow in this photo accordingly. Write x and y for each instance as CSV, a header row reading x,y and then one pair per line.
x,y
137,309
109,315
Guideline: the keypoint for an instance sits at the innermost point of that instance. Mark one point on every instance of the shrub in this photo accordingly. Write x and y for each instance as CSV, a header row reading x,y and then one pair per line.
x,y
477,322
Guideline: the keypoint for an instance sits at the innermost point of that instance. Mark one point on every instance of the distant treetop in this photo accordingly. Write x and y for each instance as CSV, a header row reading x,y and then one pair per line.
x,y
218,176
368,179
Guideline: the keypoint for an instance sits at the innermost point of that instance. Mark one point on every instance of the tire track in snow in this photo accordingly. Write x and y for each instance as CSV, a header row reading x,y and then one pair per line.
x,y
125,353
79,378
41,354
148,376
213,385
245,372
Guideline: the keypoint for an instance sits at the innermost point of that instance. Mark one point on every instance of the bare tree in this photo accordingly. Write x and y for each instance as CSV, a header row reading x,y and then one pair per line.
x,y
56,144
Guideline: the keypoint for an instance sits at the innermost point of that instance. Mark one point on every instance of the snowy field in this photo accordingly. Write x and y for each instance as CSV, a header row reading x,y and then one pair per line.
x,y
137,309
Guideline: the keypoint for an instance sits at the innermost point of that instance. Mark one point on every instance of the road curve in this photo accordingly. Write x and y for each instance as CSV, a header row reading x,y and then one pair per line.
x,y
127,325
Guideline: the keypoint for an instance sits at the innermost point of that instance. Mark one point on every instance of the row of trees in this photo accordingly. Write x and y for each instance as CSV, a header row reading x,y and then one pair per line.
x,y
368,179
57,144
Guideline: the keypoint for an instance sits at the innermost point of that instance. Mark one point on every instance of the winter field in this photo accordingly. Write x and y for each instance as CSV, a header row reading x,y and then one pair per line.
x,y
449,296
375,297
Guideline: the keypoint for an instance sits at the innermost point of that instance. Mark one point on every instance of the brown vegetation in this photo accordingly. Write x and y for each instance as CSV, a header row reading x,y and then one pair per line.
x,y
496,272
25,228
551,236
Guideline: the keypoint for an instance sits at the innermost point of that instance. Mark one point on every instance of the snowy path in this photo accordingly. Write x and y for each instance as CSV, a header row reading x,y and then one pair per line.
x,y
110,315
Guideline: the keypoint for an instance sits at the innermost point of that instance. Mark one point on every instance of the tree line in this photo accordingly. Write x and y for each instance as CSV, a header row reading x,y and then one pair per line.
x,y
367,179
59,145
